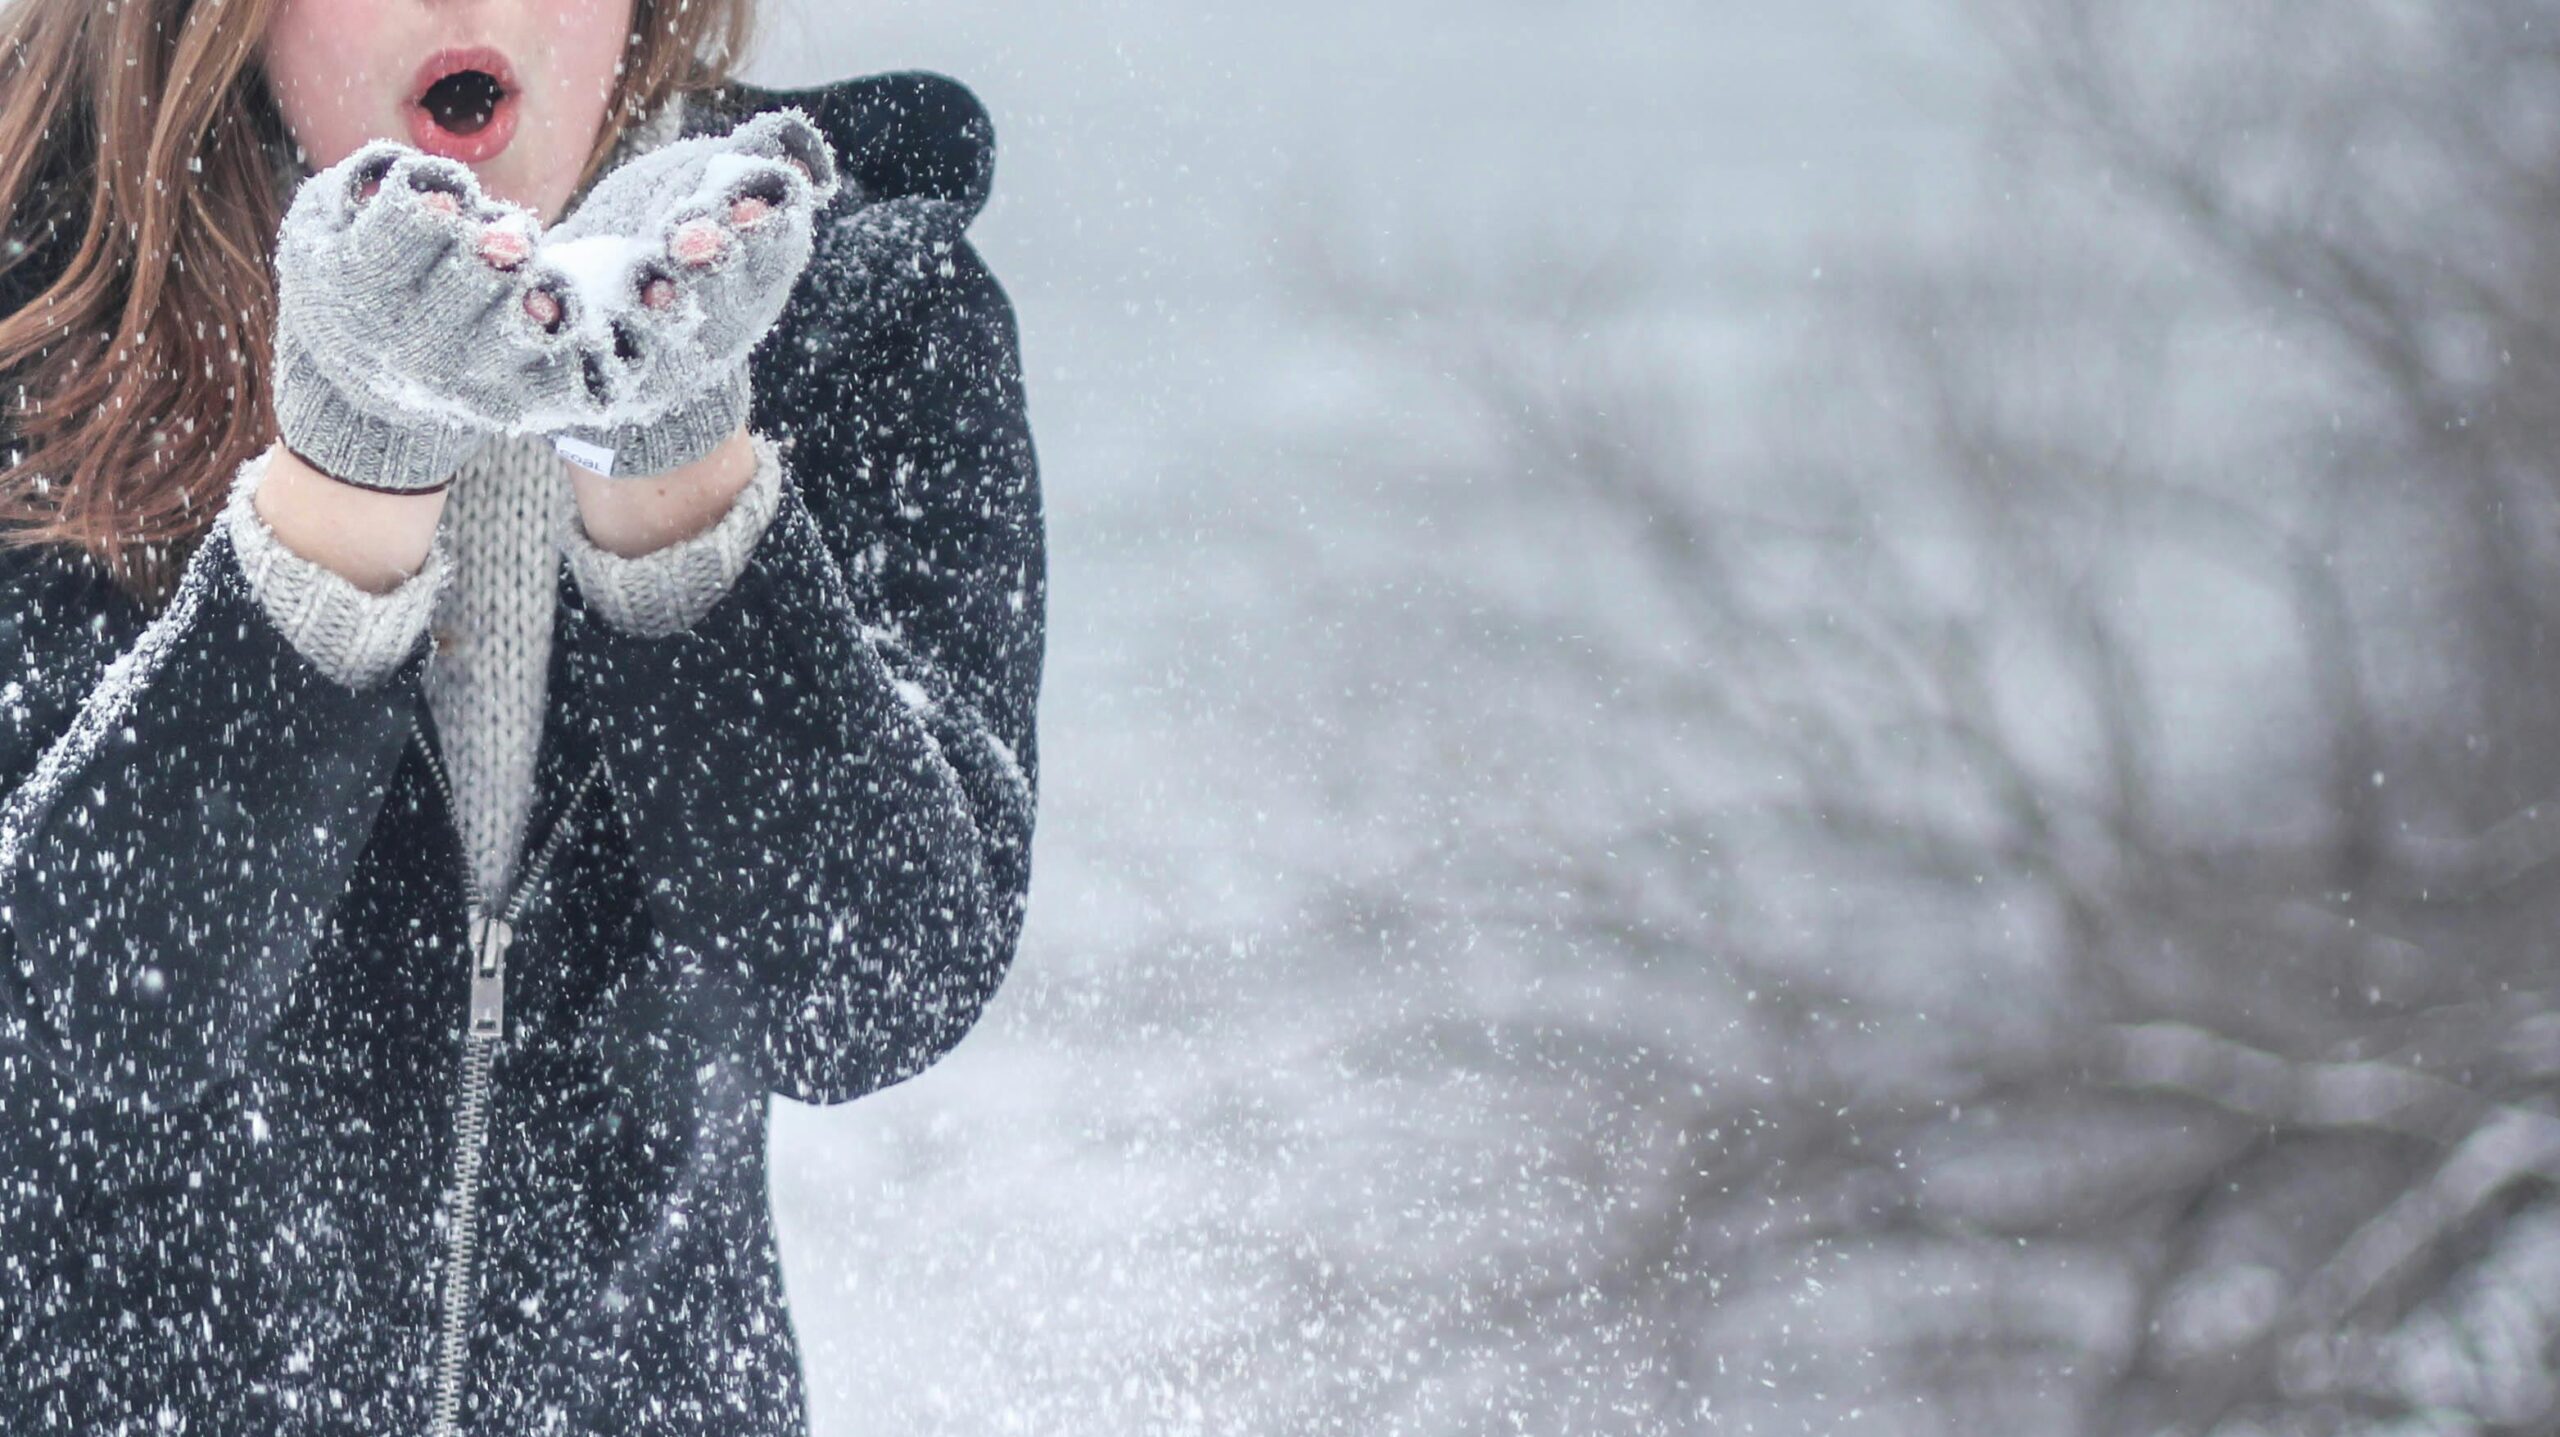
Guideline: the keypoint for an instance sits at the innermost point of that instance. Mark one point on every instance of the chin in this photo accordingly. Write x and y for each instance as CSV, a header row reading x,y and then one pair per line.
x,y
501,182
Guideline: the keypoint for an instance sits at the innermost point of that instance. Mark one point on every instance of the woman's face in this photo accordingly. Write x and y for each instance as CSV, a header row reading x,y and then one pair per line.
x,y
523,112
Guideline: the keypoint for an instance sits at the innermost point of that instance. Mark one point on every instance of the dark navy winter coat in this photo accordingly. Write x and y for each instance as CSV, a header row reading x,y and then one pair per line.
x,y
233,908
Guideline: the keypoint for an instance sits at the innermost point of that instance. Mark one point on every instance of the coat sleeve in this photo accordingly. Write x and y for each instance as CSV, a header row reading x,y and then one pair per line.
x,y
185,797
828,778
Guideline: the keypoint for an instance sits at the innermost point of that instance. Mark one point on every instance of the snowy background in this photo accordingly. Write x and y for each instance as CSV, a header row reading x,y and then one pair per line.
x,y
1760,718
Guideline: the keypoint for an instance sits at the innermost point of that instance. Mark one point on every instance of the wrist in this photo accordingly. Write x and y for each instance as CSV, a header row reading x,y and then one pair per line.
x,y
373,539
629,517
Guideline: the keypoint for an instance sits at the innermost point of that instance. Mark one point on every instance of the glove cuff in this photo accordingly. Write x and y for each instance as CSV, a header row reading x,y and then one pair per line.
x,y
679,436
319,423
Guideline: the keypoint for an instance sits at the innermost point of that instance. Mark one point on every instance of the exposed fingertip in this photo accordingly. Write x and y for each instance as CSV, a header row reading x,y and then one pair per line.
x,y
697,242
372,167
504,247
760,193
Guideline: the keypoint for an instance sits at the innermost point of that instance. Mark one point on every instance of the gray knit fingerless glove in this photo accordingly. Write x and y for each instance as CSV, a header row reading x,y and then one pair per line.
x,y
403,337
683,258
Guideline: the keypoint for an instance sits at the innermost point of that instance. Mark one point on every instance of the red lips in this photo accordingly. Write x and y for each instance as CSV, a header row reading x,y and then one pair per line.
x,y
482,101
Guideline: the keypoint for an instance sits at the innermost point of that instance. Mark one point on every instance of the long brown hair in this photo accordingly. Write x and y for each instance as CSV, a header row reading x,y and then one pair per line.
x,y
136,151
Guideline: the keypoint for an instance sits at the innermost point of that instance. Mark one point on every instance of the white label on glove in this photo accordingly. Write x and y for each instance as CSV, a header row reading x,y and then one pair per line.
x,y
584,455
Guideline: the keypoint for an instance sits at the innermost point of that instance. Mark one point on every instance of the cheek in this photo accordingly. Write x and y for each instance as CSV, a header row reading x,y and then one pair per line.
x,y
583,40
571,48
315,60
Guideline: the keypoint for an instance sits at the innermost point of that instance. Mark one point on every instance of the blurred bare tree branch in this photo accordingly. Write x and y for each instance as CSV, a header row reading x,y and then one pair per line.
x,y
2079,785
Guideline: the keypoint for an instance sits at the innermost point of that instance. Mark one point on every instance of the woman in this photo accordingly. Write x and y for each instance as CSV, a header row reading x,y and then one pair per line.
x,y
422,853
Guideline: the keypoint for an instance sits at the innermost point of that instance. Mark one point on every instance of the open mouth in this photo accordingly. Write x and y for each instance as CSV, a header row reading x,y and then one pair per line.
x,y
464,101
462,104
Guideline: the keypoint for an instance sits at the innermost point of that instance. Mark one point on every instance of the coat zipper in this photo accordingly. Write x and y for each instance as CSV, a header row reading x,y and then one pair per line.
x,y
490,934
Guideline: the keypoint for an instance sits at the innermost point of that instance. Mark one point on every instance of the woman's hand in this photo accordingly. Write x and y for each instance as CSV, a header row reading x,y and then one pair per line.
x,y
415,319
683,259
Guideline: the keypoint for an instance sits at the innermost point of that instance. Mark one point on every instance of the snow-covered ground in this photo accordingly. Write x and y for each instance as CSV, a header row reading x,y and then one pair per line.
x,y
1194,1173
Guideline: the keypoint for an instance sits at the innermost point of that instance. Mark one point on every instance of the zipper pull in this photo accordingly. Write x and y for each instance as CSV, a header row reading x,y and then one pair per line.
x,y
490,935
